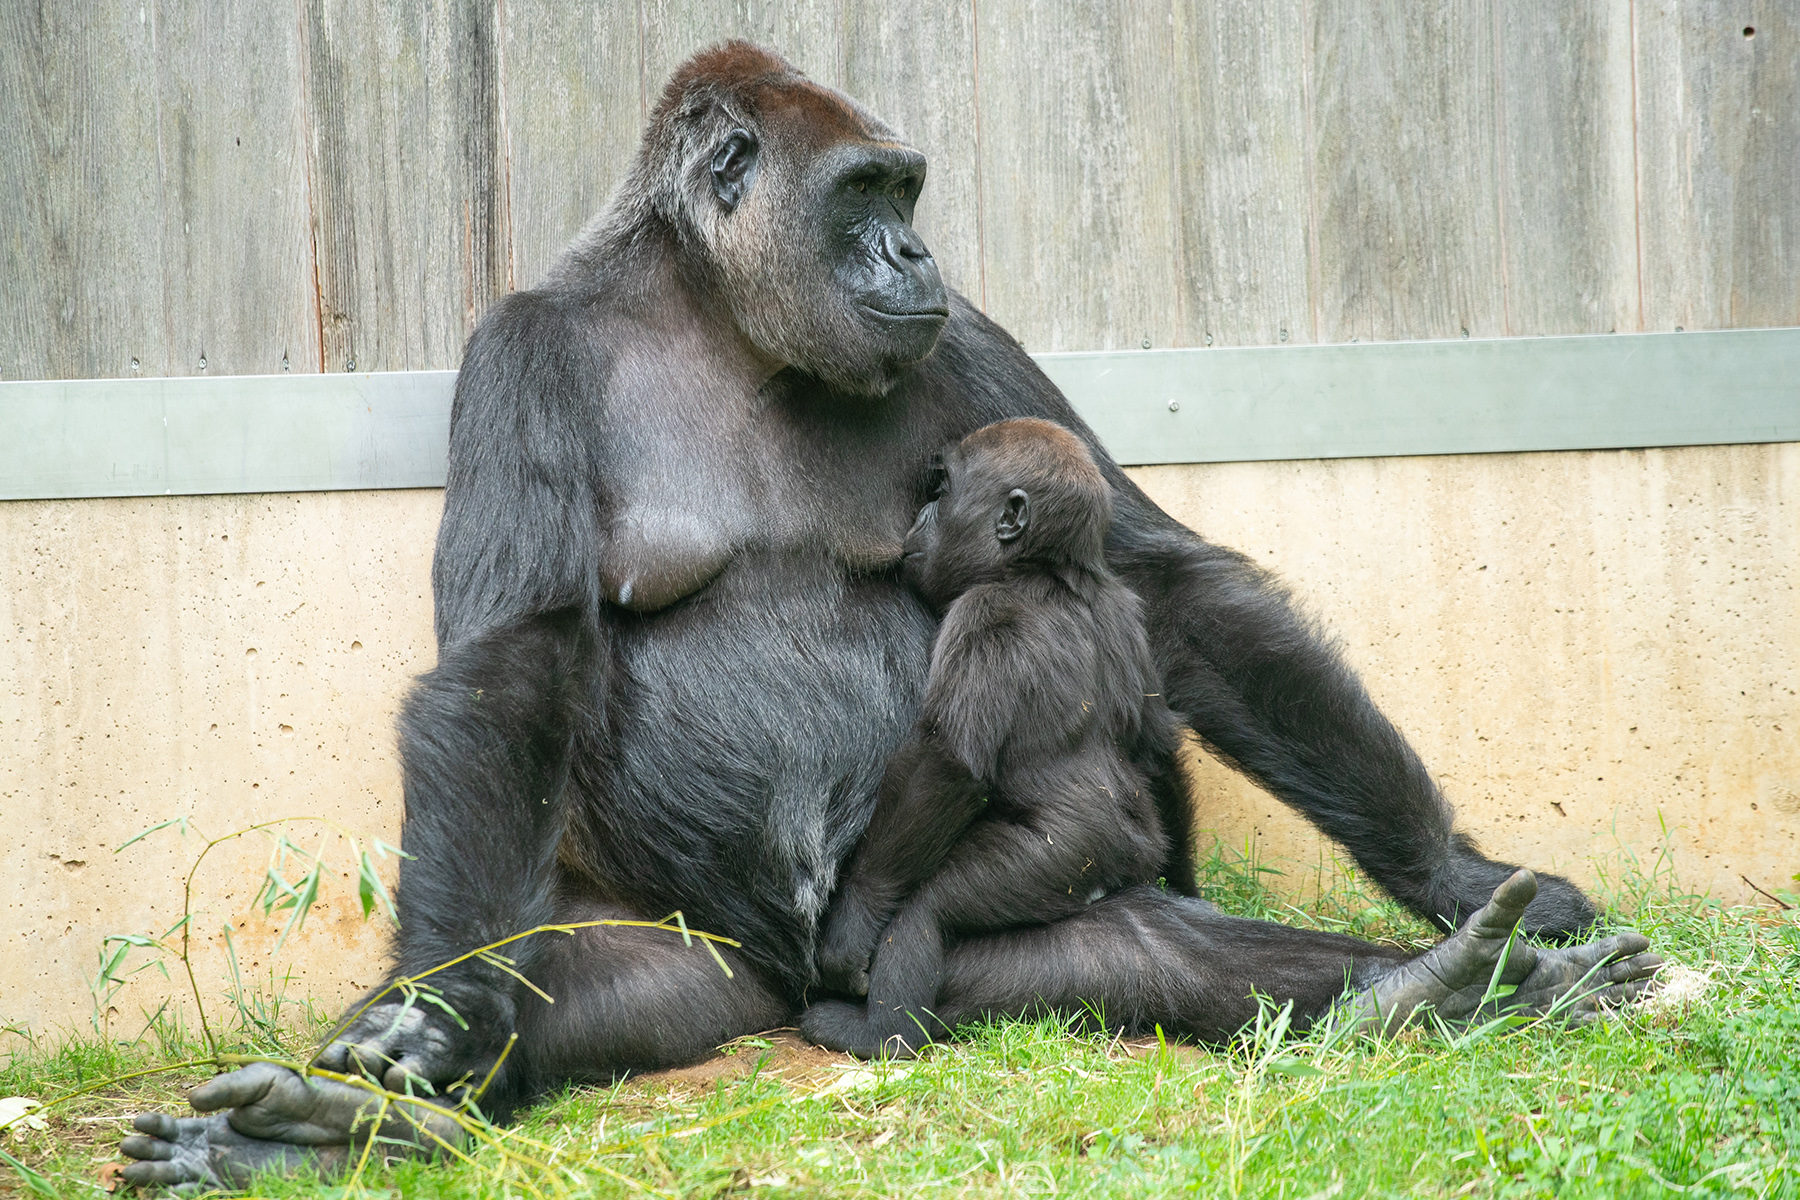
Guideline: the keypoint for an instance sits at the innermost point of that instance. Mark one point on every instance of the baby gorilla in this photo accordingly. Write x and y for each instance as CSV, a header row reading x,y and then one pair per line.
x,y
1040,775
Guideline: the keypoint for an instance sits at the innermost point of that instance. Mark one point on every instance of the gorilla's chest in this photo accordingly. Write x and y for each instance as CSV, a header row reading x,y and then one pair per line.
x,y
770,703
694,494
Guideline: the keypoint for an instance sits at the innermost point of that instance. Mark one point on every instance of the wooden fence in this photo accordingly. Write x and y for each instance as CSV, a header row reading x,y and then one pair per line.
x,y
264,186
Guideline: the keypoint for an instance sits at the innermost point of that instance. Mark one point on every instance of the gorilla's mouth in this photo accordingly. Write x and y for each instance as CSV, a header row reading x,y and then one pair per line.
x,y
941,313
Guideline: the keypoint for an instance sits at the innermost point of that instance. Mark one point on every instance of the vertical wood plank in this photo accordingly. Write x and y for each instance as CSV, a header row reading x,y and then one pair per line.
x,y
1719,162
1076,165
573,119
155,215
808,33
914,66
1567,184
1403,130
80,171
237,243
409,179
1241,172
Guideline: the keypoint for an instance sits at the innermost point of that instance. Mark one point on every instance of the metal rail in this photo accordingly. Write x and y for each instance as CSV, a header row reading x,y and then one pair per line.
x,y
288,433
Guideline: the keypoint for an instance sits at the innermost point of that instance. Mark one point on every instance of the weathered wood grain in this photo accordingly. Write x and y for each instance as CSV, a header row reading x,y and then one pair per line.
x,y
1719,162
573,114
808,33
1402,102
915,68
79,161
236,241
155,215
1568,190
409,179
1076,166
1238,121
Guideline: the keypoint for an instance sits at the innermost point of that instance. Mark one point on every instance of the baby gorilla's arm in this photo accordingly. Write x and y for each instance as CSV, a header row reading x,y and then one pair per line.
x,y
927,800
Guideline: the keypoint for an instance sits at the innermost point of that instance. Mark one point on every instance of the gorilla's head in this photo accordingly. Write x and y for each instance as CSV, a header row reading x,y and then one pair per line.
x,y
794,205
1020,493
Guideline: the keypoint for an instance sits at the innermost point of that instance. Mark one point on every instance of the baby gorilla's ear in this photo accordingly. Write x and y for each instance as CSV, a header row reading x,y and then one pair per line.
x,y
1015,515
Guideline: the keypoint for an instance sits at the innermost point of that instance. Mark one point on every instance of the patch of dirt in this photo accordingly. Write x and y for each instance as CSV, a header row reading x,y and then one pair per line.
x,y
788,1057
1181,1052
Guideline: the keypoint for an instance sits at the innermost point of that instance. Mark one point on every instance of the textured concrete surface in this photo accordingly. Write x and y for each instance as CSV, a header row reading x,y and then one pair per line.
x,y
1589,649
1596,653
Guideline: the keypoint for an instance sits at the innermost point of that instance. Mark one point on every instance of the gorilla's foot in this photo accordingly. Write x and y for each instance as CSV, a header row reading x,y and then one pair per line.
x,y
837,1025
275,1120
1454,977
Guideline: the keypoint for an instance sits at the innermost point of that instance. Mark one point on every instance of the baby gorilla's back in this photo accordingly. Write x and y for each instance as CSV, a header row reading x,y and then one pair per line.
x,y
1040,775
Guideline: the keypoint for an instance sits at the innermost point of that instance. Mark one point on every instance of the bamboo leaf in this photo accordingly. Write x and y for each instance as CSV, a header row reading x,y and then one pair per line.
x,y
134,839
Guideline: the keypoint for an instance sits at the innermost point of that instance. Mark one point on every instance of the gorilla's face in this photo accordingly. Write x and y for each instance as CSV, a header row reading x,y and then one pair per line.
x,y
968,531
881,264
825,270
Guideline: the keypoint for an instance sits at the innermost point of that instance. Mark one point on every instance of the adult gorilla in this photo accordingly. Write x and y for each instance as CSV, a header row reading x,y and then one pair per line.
x,y
674,655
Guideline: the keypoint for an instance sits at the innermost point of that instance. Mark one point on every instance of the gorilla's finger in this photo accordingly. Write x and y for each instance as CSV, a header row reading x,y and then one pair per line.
x,y
409,1073
1624,944
369,1059
236,1089
1638,966
157,1124
335,1057
1604,950
153,1174
1507,905
148,1149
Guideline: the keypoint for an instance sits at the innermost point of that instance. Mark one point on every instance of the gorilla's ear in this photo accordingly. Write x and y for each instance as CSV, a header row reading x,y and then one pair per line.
x,y
1015,515
732,164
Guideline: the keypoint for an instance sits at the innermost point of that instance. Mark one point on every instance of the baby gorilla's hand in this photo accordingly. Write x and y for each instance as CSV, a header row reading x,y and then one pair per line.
x,y
847,946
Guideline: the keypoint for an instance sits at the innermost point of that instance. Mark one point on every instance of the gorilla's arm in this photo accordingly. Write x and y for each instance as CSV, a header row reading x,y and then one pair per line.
x,y
485,737
928,797
484,741
1266,690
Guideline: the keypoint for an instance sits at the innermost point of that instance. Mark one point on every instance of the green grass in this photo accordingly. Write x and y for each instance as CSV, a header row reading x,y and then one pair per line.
x,y
1694,1098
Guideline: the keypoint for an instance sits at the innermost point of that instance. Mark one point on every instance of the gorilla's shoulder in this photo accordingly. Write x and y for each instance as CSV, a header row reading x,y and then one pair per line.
x,y
979,373
530,349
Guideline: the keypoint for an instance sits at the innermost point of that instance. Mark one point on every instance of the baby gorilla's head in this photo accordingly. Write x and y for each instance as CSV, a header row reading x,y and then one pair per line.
x,y
1013,494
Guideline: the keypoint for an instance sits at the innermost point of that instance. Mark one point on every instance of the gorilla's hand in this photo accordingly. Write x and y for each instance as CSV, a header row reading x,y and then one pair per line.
x,y
400,1045
274,1120
848,945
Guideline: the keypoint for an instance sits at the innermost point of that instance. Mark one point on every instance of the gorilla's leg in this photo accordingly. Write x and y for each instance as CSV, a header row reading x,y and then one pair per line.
x,y
927,800
1143,958
1001,875
626,999
1267,691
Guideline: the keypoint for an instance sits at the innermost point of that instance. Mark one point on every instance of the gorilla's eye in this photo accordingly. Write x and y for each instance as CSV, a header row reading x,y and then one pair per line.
x,y
860,186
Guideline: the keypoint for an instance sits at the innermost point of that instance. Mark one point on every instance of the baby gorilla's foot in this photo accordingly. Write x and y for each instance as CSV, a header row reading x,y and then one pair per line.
x,y
837,1025
1453,978
274,1120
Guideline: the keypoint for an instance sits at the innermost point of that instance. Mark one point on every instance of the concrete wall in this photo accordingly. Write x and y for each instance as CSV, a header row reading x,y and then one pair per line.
x,y
1586,647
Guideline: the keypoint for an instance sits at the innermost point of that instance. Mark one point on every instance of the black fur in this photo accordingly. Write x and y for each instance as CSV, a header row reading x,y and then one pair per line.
x,y
1041,774
676,652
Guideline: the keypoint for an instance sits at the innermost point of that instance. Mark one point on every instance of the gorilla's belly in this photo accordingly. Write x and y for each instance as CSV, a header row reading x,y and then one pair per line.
x,y
770,702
